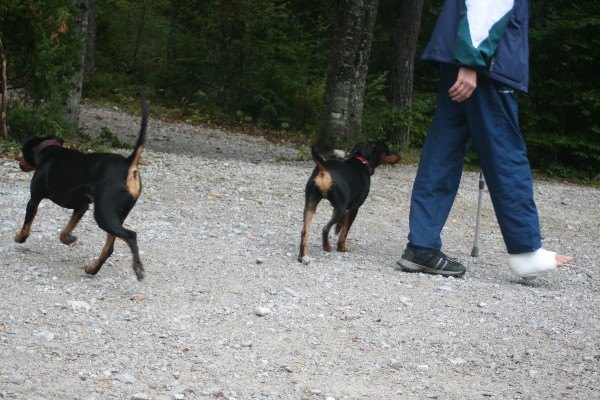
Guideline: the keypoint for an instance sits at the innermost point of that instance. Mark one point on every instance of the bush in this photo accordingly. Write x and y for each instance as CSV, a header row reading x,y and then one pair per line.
x,y
43,120
560,115
380,118
41,48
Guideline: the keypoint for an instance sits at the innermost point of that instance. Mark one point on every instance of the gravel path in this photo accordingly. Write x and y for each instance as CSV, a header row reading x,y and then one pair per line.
x,y
218,225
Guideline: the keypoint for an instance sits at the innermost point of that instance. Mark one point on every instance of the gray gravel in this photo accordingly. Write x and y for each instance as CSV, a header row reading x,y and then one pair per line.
x,y
226,311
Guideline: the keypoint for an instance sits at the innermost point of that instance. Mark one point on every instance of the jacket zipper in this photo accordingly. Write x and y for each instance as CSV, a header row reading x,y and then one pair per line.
x,y
492,63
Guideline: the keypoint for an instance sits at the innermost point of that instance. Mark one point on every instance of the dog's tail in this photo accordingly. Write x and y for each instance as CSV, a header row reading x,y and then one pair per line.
x,y
323,178
135,156
318,159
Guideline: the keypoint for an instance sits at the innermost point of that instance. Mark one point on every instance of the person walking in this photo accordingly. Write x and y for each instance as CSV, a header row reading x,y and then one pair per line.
x,y
481,49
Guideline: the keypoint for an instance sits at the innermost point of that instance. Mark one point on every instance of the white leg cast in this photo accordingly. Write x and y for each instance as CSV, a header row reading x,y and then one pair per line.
x,y
530,265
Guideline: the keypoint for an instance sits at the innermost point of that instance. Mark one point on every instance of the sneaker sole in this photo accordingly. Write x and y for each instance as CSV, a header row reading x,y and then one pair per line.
x,y
408,266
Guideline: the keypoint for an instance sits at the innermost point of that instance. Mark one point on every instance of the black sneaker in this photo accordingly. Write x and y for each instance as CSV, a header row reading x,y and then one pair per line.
x,y
431,262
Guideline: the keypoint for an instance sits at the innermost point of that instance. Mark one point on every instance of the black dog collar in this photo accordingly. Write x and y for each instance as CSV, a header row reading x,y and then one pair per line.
x,y
42,146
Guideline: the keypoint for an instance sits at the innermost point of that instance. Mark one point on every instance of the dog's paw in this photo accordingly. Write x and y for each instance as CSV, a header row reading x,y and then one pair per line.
x,y
90,269
21,238
327,247
342,248
67,238
301,256
140,273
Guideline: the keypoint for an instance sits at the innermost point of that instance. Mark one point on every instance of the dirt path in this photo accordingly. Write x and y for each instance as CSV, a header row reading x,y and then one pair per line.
x,y
218,224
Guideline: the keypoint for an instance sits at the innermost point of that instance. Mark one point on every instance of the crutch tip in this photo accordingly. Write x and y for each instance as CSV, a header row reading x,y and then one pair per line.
x,y
475,252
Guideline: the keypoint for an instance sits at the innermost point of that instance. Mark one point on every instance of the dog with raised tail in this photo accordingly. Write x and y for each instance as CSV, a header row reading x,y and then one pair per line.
x,y
74,180
346,185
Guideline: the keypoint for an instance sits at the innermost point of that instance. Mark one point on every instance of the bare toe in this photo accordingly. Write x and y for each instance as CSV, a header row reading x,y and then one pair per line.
x,y
562,259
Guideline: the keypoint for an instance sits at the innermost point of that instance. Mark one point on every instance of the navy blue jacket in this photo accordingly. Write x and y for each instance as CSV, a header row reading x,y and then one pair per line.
x,y
508,58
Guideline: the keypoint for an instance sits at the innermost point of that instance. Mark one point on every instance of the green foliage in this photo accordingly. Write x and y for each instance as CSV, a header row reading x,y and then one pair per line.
x,y
41,50
108,137
380,117
263,63
45,119
561,114
266,59
9,148
40,46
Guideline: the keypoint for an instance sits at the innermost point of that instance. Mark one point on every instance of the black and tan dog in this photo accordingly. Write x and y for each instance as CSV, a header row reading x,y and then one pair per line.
x,y
346,185
73,180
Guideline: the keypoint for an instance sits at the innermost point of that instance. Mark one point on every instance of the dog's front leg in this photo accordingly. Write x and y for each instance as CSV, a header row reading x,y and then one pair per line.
x,y
32,207
65,235
107,251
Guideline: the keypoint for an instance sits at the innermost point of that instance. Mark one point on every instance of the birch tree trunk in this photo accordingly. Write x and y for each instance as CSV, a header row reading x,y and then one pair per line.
x,y
90,43
341,118
72,106
406,36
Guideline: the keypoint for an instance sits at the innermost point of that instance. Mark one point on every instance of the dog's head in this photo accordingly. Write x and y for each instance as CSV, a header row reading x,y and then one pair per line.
x,y
26,159
376,153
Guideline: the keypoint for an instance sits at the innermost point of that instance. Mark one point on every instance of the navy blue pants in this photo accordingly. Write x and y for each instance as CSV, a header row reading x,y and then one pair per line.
x,y
490,119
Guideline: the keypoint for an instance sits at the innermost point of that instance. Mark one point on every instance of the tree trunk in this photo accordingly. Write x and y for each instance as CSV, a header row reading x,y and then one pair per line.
x,y
72,106
341,117
138,40
90,44
3,106
406,36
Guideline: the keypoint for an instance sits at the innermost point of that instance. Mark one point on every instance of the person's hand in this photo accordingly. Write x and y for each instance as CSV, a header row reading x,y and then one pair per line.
x,y
465,84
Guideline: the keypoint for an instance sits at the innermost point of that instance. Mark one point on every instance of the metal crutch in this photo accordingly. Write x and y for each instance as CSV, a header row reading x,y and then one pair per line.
x,y
475,251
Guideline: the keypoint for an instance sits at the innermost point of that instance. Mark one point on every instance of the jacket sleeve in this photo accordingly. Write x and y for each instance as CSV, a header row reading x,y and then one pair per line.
x,y
481,26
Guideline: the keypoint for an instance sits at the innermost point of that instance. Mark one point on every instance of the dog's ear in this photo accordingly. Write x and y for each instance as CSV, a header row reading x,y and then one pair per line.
x,y
26,138
384,155
362,149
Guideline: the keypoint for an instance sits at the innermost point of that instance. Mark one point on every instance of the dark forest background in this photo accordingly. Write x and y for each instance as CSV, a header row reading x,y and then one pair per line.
x,y
265,64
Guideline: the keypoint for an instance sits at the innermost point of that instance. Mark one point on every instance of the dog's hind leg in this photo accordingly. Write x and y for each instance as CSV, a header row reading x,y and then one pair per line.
x,y
113,225
338,215
346,223
65,235
107,251
309,211
32,207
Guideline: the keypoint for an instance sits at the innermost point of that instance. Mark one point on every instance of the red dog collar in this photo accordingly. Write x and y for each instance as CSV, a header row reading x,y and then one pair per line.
x,y
365,162
42,146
